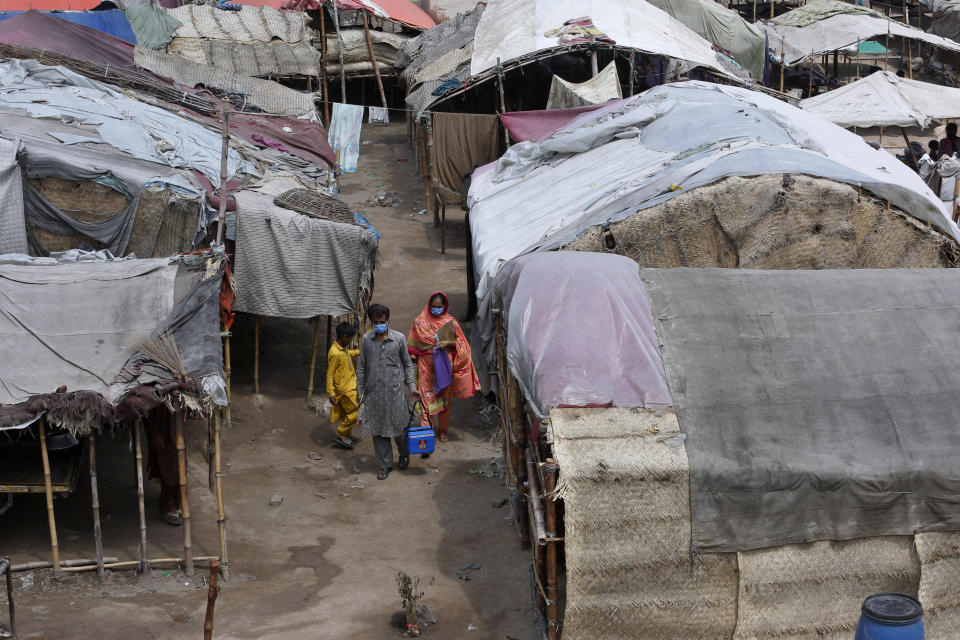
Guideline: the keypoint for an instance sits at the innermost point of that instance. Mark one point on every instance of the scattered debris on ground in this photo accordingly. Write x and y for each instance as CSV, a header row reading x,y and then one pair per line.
x,y
383,199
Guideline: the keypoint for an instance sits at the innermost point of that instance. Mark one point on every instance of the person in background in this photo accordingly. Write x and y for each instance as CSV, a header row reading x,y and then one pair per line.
x,y
929,159
342,385
383,370
434,330
951,144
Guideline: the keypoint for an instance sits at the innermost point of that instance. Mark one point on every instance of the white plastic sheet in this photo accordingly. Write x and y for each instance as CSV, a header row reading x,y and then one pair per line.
x,y
610,163
884,100
511,29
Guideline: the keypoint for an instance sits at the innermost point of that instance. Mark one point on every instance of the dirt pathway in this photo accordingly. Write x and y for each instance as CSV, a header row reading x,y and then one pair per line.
x,y
323,563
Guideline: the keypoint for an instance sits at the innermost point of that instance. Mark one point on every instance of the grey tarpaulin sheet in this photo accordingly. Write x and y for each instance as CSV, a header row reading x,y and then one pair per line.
x,y
817,405
559,360
13,231
76,324
290,265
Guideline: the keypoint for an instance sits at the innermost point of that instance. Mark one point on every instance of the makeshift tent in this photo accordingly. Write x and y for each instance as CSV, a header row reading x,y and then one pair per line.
x,y
746,43
634,475
807,34
884,100
112,22
675,141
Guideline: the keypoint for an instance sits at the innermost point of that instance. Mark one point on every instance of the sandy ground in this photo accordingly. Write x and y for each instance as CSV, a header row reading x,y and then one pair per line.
x,y
323,563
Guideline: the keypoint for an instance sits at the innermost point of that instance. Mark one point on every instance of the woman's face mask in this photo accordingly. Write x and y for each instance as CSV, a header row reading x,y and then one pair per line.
x,y
380,327
437,311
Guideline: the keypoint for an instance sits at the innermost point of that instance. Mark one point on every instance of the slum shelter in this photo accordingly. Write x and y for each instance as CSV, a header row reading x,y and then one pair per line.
x,y
95,345
694,174
110,21
726,453
807,35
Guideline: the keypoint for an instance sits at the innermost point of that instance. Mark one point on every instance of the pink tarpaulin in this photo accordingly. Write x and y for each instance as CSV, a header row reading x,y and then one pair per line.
x,y
534,126
47,5
307,140
580,331
397,10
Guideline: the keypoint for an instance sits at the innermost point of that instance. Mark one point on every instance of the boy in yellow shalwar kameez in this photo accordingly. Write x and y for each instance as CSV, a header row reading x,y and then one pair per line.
x,y
342,385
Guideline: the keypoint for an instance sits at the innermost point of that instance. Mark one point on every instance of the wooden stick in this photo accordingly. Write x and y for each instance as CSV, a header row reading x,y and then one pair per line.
x,y
913,159
138,456
783,59
313,356
211,472
329,332
323,63
881,135
540,527
754,10
48,491
771,9
373,60
227,369
46,564
131,564
424,163
910,58
858,59
221,515
810,84
443,226
7,572
214,590
343,74
434,195
553,607
256,351
956,189
886,53
95,501
631,74
503,100
184,503
224,153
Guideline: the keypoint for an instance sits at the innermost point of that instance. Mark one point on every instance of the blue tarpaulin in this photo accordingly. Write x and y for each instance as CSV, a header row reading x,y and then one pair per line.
x,y
113,22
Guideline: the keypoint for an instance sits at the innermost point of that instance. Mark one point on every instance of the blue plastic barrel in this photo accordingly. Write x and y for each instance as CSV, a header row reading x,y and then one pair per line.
x,y
890,616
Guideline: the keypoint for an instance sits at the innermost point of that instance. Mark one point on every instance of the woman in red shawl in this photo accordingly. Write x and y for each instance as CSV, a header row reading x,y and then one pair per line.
x,y
430,332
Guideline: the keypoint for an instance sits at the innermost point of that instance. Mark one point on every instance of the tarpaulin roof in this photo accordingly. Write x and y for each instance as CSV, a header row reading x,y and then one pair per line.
x,y
397,10
511,29
883,99
558,359
838,31
629,155
534,126
112,22
43,31
48,5
816,404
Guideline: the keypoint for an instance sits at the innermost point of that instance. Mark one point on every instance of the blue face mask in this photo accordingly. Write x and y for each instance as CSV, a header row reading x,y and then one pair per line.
x,y
380,327
437,311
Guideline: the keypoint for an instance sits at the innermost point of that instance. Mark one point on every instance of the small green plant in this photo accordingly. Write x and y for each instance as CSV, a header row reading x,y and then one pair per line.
x,y
410,596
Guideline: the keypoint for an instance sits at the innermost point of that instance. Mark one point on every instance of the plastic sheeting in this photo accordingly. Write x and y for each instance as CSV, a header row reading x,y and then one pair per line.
x,y
533,126
606,354
841,31
884,100
264,24
745,42
112,22
42,31
511,29
566,95
817,405
13,230
636,153
153,26
946,19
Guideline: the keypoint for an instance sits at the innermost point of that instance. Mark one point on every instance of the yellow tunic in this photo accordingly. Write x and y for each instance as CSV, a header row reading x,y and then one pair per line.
x,y
342,387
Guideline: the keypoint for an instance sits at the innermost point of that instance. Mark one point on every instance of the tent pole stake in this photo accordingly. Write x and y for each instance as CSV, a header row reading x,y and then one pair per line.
x,y
178,419
221,515
48,491
95,503
138,457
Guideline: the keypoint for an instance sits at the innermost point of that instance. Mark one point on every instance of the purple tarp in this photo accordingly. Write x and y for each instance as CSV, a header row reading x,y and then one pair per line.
x,y
604,354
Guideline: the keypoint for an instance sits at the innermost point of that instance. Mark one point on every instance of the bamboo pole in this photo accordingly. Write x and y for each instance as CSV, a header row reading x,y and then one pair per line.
x,y
913,159
536,506
329,332
881,135
886,53
754,10
184,502
224,152
48,491
434,195
323,63
771,9
343,75
212,593
553,608
227,369
5,568
131,564
313,358
373,59
256,353
594,66
783,59
221,515
138,456
503,100
211,472
424,163
443,226
46,564
910,59
956,189
95,502
810,83
858,59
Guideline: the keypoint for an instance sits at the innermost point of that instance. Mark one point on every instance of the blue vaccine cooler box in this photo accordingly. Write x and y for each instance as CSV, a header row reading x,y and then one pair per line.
x,y
420,440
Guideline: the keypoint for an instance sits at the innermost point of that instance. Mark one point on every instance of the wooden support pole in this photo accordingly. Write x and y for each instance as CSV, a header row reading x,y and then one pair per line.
x,y
910,59
48,491
771,10
434,194
913,159
754,10
313,356
536,506
132,564
810,83
881,135
138,457
224,152
858,59
553,606
212,592
783,59
329,332
221,512
178,418
211,472
594,66
630,90
373,59
95,502
424,162
227,369
6,569
443,226
323,64
956,190
836,64
503,100
886,53
343,75
46,564
256,354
